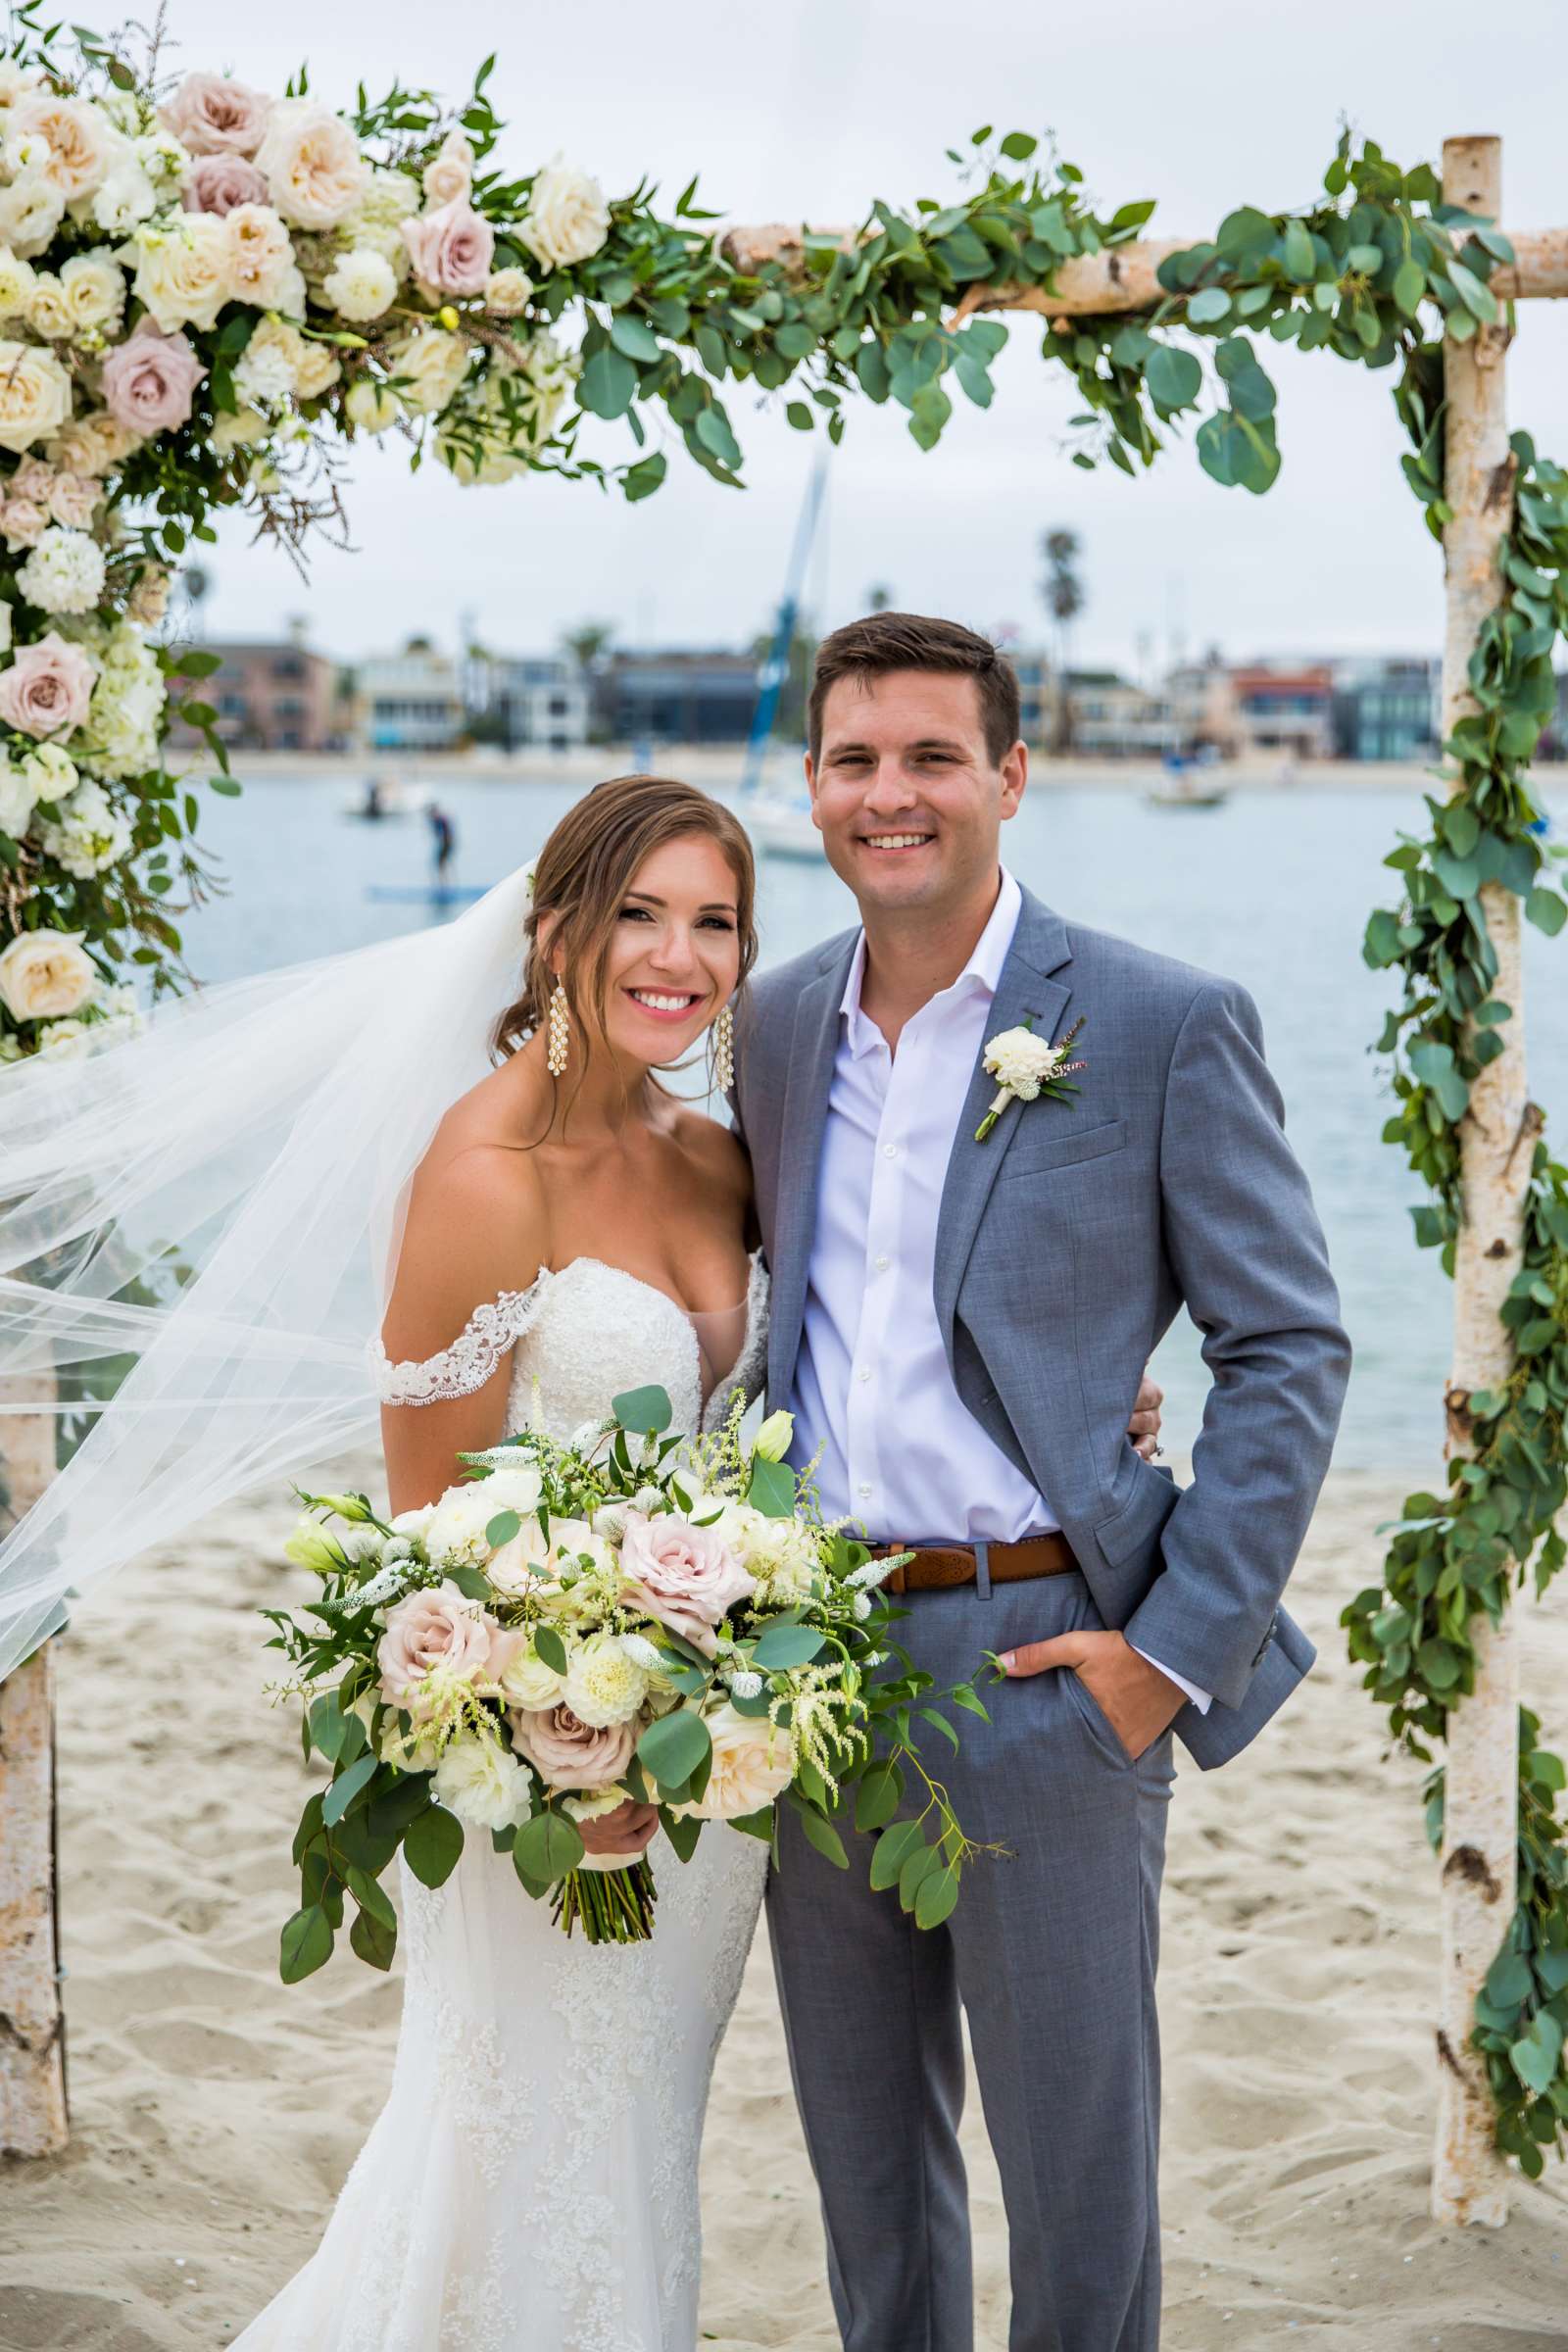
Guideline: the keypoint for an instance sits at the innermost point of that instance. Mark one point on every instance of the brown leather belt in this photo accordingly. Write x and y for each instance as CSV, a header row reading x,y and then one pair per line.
x,y
936,1566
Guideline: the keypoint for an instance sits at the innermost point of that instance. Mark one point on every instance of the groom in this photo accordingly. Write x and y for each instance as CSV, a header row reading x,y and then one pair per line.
x,y
959,1329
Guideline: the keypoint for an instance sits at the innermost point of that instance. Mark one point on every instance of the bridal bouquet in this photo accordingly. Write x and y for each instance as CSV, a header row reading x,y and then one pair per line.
x,y
632,1615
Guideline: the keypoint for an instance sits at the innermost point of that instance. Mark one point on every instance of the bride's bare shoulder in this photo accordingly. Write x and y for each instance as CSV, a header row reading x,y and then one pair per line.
x,y
475,1227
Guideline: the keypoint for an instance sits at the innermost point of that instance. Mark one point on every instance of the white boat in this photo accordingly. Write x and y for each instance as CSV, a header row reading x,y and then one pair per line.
x,y
782,828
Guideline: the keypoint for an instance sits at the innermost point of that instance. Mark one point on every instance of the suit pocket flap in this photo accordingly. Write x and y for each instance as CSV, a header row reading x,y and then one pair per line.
x,y
1061,1150
1143,1515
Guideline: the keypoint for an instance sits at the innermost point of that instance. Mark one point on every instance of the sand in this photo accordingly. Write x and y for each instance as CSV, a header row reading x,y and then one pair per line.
x,y
215,2112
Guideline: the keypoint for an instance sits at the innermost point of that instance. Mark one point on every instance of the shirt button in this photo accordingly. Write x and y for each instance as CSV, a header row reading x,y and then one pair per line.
x,y
864,1372
882,1264
865,1493
890,1151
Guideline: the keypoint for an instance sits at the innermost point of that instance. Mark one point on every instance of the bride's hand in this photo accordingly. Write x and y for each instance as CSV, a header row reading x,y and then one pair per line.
x,y
1143,1427
627,1830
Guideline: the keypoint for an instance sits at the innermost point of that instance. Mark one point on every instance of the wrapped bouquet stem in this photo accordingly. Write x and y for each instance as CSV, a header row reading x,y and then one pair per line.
x,y
633,1618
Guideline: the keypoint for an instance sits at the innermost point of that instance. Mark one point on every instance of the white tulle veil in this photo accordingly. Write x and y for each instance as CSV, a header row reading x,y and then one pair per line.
x,y
220,1203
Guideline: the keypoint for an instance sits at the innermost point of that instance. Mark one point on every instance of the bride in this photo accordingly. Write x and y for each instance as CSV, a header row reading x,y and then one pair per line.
x,y
553,1227
571,1232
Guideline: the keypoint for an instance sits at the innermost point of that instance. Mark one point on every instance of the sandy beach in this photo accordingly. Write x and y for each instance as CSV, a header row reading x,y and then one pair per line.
x,y
215,2112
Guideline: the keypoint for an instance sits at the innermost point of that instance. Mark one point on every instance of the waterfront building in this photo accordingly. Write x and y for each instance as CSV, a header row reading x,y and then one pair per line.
x,y
270,694
408,702
1388,707
676,696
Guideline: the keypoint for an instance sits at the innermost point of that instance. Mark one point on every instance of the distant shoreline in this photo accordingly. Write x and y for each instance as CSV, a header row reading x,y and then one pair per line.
x,y
720,766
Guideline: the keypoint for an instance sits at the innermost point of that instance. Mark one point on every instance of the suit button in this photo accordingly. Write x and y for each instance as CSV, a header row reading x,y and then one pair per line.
x,y
1273,1628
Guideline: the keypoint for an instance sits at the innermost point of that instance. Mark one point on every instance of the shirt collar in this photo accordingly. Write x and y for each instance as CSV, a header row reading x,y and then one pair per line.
x,y
981,974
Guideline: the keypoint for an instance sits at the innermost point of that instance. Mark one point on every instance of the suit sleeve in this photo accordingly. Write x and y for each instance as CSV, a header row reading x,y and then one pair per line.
x,y
1245,1246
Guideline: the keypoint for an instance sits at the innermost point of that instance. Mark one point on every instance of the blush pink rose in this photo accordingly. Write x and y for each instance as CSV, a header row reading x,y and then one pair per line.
x,y
568,1752
212,116
685,1575
429,1629
451,249
47,688
221,184
22,522
149,380
72,500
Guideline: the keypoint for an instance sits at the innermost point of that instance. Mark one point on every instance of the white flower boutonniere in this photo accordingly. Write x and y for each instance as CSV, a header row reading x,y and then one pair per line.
x,y
1027,1067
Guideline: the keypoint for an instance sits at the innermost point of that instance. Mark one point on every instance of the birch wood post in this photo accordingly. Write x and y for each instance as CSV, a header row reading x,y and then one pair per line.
x,y
1470,2180
33,2119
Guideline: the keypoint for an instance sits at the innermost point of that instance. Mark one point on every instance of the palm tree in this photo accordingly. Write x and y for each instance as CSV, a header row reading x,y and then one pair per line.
x,y
1062,593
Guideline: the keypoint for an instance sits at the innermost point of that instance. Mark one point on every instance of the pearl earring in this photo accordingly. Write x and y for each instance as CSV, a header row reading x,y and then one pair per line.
x,y
556,1033
724,1049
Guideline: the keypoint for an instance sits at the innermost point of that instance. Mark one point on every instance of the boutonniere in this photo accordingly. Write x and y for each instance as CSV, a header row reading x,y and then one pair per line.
x,y
1027,1066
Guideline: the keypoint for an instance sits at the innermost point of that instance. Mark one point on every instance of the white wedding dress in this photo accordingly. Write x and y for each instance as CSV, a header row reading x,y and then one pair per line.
x,y
530,2184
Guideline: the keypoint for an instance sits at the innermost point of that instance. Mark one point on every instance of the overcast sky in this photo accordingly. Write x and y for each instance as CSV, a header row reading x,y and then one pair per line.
x,y
810,108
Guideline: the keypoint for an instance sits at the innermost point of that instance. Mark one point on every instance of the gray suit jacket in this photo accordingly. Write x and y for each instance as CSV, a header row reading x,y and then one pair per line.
x,y
1066,1245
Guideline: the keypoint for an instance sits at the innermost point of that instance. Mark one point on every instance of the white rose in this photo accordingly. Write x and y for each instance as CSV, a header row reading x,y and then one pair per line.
x,y
127,198
568,216
94,288
314,171
517,1487
239,430
515,1567
31,209
450,173
63,1041
317,368
18,799
456,1525
44,975
370,406
482,1781
1021,1062
753,1764
603,1684
361,284
413,1524
526,1681
16,282
184,270
430,366
507,292
17,80
48,312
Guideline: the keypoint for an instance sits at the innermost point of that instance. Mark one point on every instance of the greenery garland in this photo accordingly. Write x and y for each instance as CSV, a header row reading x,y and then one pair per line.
x,y
666,318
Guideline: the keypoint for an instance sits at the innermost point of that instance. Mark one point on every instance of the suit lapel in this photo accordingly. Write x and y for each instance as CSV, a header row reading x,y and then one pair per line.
x,y
1040,946
806,1097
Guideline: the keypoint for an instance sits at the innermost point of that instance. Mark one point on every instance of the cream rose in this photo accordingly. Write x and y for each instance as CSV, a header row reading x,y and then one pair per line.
x,y
82,141
44,975
428,366
430,1628
16,282
31,209
568,1753
48,312
451,172
753,1764
35,395
184,271
47,689
370,406
212,116
567,217
314,171
93,285
520,1675
260,254
507,292
482,1783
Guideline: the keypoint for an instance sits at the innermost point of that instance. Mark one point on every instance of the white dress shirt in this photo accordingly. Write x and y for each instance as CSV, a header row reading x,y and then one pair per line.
x,y
901,1452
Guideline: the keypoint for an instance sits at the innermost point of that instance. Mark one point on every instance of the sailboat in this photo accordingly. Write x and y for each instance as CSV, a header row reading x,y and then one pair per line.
x,y
778,821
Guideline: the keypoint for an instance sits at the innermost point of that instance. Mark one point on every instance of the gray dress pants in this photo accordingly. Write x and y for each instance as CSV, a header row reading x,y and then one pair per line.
x,y
1052,1953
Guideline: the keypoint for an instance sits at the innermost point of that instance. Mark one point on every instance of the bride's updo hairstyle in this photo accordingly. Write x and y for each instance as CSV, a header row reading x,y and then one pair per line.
x,y
585,869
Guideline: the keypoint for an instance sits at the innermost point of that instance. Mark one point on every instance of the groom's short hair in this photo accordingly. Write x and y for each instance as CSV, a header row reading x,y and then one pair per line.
x,y
888,641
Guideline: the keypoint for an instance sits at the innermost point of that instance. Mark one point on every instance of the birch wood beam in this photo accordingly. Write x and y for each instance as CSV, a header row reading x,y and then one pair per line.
x,y
33,2120
1124,277
1497,1144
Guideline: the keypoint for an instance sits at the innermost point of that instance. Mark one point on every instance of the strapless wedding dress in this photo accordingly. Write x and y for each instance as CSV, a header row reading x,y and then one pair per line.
x,y
531,2184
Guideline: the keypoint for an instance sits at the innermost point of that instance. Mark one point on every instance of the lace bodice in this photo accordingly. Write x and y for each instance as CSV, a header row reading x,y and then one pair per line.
x,y
584,1337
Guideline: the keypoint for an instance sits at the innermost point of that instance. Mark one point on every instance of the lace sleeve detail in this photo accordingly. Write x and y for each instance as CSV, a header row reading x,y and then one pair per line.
x,y
471,1361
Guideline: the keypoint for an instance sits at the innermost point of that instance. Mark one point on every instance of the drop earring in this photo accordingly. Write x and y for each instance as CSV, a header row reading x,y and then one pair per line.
x,y
556,1033
724,1049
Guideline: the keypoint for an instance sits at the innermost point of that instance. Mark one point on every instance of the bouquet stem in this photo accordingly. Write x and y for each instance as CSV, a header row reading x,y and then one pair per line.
x,y
612,1906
